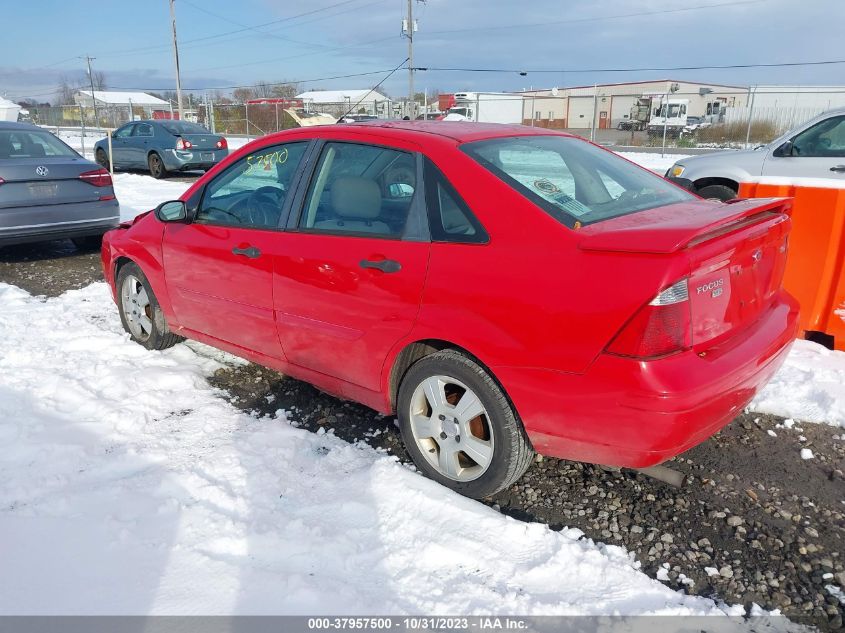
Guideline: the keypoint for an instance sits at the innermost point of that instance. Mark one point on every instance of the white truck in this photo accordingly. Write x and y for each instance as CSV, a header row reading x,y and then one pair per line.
x,y
486,107
674,121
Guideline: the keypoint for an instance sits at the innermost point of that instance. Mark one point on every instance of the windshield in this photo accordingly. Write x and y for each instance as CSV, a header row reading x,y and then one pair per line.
x,y
185,127
31,144
572,180
674,110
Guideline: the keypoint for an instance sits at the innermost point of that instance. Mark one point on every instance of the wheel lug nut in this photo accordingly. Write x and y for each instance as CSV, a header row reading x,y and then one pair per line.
x,y
457,438
441,417
442,435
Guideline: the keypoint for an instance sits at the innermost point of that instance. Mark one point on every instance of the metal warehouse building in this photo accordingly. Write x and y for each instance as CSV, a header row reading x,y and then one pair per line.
x,y
575,107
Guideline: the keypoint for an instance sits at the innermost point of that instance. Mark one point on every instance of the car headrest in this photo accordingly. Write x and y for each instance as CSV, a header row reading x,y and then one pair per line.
x,y
5,147
355,197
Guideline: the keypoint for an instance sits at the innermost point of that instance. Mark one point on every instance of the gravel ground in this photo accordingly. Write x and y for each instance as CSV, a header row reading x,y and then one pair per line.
x,y
754,524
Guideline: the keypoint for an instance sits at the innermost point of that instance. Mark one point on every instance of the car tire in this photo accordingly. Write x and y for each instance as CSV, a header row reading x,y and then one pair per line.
x,y
88,243
434,415
156,165
140,312
717,192
101,158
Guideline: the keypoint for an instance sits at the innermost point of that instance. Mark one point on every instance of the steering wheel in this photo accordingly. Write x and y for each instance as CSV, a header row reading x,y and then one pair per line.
x,y
264,206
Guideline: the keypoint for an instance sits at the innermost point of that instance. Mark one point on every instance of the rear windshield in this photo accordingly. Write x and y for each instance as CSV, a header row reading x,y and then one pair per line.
x,y
572,180
31,144
185,127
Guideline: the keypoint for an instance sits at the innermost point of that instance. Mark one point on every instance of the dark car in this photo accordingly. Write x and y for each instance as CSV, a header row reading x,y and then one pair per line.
x,y
162,147
48,191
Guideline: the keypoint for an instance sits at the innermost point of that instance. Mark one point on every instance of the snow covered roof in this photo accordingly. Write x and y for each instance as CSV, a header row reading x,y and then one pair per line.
x,y
341,96
122,98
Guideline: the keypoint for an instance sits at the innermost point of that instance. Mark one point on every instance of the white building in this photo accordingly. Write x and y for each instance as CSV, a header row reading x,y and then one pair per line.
x,y
120,98
339,102
8,110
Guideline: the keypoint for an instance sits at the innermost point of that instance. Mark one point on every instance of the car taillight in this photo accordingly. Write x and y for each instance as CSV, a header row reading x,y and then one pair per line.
x,y
660,328
97,178
183,144
2,181
222,144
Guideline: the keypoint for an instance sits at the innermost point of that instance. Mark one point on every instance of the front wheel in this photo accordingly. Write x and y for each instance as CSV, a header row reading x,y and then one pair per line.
x,y
157,168
459,427
140,312
717,192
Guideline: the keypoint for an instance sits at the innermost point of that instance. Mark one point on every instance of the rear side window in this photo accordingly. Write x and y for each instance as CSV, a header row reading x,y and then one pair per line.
x,y
572,180
359,189
449,216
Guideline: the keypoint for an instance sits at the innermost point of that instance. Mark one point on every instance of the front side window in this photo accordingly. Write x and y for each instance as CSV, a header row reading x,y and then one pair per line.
x,y
125,131
574,181
360,189
825,139
252,192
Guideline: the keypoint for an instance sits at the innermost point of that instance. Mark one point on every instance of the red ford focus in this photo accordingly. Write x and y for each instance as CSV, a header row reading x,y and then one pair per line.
x,y
501,289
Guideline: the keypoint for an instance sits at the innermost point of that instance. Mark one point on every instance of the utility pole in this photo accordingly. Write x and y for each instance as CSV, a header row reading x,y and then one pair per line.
x,y
409,27
176,59
93,97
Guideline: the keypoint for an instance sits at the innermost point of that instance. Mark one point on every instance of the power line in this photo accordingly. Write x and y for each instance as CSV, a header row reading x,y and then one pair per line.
x,y
273,83
374,88
525,71
600,18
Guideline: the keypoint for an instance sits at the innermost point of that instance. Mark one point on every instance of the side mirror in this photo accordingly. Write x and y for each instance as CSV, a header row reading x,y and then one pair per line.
x,y
784,150
174,211
114,134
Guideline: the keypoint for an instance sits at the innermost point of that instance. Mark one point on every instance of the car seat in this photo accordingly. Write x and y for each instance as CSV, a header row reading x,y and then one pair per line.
x,y
356,202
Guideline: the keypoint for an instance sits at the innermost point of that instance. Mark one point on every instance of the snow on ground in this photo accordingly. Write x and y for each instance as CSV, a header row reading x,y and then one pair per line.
x,y
128,485
137,193
655,162
809,387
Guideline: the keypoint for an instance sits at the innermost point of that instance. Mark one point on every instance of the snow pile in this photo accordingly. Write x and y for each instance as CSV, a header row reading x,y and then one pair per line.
x,y
809,387
128,485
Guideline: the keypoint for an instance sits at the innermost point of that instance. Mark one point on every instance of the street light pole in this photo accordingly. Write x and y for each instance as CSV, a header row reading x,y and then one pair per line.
x,y
93,97
176,60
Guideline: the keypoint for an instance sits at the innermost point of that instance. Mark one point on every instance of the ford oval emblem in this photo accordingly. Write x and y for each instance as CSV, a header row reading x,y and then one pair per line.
x,y
41,170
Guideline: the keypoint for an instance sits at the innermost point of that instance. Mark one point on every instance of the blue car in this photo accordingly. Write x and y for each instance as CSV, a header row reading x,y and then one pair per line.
x,y
162,147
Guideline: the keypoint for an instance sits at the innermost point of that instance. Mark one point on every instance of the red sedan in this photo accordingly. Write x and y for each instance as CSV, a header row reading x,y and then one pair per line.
x,y
500,289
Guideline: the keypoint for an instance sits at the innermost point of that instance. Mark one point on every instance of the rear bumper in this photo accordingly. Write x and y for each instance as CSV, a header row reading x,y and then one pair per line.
x,y
175,160
624,412
21,225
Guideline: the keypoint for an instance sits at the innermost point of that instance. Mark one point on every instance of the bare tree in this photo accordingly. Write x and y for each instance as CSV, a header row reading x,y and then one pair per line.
x,y
99,78
66,90
285,90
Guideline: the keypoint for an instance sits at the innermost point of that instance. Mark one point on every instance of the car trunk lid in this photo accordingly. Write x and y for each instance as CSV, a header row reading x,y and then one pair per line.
x,y
735,256
201,141
46,181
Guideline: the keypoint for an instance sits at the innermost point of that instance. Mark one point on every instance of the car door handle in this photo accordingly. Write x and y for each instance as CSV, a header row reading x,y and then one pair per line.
x,y
250,251
839,168
384,265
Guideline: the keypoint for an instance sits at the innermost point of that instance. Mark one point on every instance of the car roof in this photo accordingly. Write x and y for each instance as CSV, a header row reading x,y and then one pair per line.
x,y
14,125
460,131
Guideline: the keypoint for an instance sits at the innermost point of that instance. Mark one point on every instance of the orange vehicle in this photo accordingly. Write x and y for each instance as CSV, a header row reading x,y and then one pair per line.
x,y
808,165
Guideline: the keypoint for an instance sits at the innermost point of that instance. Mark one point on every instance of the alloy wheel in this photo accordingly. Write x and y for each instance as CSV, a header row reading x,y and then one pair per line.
x,y
451,428
136,308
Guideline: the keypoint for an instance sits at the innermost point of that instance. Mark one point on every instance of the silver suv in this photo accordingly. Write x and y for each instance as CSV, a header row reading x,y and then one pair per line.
x,y
814,150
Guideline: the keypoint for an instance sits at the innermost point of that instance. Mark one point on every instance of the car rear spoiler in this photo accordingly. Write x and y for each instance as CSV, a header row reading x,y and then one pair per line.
x,y
675,227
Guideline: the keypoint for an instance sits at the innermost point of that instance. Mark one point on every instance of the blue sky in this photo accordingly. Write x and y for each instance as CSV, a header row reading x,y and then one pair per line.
x,y
131,42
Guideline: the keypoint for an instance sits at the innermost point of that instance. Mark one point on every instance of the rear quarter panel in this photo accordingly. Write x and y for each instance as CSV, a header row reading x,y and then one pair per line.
x,y
530,297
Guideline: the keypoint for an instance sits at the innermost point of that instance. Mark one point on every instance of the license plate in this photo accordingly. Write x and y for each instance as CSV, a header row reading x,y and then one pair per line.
x,y
43,190
208,156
